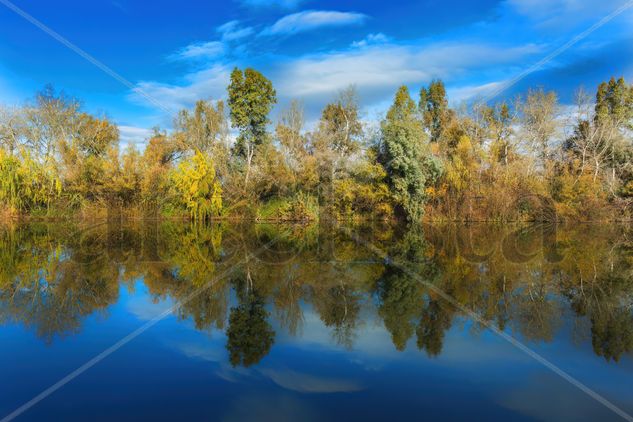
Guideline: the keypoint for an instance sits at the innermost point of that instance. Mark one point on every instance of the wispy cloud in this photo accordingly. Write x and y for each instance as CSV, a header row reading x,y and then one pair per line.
x,y
376,70
469,92
209,83
199,51
371,39
387,66
473,61
233,31
307,383
133,135
312,19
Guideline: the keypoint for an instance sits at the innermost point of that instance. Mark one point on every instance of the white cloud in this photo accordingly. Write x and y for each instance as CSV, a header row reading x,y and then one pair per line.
x,y
306,383
468,92
376,70
133,135
232,30
209,83
371,39
312,19
210,351
388,66
143,307
198,51
201,51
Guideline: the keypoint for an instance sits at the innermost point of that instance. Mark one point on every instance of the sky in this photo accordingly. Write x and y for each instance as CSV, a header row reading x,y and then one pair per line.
x,y
178,52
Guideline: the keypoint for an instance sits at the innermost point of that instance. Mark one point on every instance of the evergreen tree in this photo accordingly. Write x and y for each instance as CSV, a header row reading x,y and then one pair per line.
x,y
409,168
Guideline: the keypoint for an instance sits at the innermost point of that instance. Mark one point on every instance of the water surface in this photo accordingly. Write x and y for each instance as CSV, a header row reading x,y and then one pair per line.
x,y
270,322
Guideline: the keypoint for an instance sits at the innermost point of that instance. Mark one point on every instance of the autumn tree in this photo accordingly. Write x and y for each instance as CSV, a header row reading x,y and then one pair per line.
x,y
614,104
158,159
296,149
12,129
600,140
197,187
340,123
614,115
538,114
337,137
204,128
127,181
87,157
50,120
497,123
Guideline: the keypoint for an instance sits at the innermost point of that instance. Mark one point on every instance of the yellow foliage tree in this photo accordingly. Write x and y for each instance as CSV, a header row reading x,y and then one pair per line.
x,y
198,188
26,184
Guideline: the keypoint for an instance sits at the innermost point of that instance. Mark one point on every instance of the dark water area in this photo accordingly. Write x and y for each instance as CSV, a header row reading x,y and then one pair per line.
x,y
170,321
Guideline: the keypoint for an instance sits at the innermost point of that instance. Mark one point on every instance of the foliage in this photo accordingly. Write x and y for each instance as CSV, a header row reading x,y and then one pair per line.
x,y
26,185
365,192
495,162
299,208
251,97
53,277
435,112
198,188
409,167
249,335
203,128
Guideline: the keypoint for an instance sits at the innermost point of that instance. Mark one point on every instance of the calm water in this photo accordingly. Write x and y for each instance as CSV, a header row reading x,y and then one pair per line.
x,y
284,323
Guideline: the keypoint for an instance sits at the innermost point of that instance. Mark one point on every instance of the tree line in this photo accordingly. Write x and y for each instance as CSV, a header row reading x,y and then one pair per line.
x,y
526,159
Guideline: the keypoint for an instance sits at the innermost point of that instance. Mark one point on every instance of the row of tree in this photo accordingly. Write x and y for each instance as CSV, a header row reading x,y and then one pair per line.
x,y
521,160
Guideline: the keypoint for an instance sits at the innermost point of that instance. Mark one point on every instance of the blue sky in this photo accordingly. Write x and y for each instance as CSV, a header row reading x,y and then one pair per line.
x,y
178,52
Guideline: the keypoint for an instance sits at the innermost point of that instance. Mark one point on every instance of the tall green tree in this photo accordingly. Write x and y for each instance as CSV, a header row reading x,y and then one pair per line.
x,y
251,97
405,158
614,103
434,108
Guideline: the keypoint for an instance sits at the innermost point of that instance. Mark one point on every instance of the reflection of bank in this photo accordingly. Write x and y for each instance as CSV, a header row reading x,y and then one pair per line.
x,y
478,243
497,271
527,207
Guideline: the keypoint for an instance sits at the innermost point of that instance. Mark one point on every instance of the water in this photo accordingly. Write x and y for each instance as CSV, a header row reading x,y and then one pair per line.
x,y
315,323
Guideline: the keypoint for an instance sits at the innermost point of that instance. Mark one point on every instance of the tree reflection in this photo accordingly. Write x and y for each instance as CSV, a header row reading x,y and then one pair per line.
x,y
249,335
53,276
339,309
401,301
435,321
